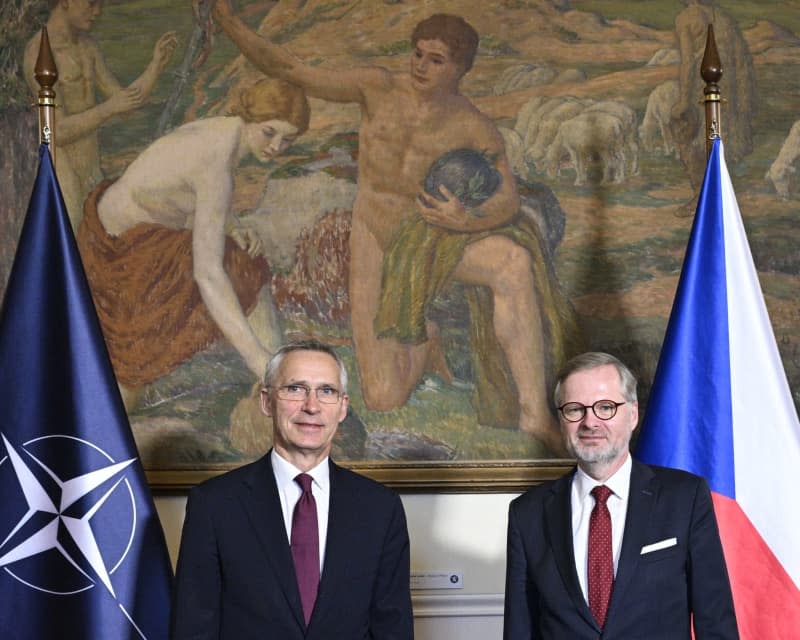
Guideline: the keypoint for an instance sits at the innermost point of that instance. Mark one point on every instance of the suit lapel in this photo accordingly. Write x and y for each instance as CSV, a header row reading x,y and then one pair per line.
x,y
263,506
641,500
342,502
558,517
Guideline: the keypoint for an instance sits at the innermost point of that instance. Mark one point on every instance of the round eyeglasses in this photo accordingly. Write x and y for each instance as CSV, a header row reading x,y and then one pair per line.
x,y
299,392
603,409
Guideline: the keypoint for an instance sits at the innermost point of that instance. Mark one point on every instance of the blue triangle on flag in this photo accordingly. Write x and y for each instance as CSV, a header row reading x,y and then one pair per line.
x,y
689,410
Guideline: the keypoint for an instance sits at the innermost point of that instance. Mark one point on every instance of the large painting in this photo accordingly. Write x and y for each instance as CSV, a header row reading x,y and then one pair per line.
x,y
456,244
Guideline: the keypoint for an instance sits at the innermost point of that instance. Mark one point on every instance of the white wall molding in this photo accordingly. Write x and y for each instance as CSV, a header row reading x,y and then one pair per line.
x,y
457,605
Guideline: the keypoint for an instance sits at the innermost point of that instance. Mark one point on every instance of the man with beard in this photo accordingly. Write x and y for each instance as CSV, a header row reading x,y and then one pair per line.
x,y
615,548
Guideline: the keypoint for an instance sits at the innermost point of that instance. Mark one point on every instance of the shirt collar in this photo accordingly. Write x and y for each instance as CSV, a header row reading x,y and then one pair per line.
x,y
619,482
285,472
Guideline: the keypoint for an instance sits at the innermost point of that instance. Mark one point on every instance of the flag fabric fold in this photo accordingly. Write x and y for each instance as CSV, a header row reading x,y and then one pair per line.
x,y
82,553
720,406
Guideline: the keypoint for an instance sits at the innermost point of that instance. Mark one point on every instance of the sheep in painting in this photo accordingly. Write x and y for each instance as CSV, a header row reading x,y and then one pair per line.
x,y
629,130
588,136
657,116
536,151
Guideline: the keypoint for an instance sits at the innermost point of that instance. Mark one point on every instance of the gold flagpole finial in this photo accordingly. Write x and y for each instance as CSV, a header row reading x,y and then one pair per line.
x,y
711,72
46,74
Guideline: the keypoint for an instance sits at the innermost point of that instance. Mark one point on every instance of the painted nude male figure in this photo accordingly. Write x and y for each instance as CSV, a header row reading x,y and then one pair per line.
x,y
82,72
408,120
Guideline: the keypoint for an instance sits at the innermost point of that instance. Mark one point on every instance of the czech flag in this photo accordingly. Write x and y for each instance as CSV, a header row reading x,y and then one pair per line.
x,y
720,407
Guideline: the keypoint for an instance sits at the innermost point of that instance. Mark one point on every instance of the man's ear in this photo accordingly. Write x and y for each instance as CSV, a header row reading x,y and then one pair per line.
x,y
343,409
266,404
635,414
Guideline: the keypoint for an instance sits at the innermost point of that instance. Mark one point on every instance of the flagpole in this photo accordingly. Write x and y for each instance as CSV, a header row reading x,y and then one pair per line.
x,y
82,552
46,74
711,72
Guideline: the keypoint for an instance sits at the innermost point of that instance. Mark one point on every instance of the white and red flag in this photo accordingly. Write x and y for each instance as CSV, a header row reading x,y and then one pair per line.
x,y
721,407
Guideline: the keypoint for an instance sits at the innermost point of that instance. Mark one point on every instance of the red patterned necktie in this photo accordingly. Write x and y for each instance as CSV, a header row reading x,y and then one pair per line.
x,y
305,545
601,562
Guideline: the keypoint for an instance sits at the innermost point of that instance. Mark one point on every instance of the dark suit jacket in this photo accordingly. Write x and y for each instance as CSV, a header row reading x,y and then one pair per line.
x,y
654,594
235,578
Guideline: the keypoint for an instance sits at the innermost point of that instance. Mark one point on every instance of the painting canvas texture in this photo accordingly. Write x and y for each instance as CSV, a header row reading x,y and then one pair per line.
x,y
580,131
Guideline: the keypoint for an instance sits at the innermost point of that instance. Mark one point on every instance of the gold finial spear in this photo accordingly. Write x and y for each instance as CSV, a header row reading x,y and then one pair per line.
x,y
46,75
711,72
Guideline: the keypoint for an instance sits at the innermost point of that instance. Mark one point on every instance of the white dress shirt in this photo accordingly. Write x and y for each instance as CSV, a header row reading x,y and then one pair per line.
x,y
582,503
290,492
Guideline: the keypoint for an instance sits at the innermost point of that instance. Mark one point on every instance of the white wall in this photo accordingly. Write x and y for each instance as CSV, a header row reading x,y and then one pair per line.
x,y
462,533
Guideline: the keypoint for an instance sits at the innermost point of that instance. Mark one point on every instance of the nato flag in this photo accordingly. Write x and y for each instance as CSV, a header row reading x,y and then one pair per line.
x,y
82,553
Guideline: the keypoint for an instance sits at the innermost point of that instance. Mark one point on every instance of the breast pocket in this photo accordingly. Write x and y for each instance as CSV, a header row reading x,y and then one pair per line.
x,y
661,555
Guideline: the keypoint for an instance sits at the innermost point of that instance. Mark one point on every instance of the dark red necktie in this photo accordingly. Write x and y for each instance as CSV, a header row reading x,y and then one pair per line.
x,y
601,562
305,545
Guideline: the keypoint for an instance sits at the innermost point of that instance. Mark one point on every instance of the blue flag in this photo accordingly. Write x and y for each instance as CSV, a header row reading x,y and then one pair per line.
x,y
720,407
82,553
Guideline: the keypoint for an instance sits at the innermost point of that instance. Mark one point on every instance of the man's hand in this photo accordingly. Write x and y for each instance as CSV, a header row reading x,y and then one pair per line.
x,y
162,52
449,213
125,100
164,48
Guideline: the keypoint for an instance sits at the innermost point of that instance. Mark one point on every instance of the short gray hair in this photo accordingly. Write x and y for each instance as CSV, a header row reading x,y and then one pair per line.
x,y
593,360
274,365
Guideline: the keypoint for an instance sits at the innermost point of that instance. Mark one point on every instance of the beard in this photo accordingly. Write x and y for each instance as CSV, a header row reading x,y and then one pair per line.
x,y
596,453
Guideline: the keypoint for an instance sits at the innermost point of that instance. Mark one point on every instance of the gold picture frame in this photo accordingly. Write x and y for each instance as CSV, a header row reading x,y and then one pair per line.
x,y
410,477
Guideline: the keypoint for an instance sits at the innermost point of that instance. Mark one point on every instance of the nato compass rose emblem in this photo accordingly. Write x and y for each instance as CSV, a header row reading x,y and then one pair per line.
x,y
67,517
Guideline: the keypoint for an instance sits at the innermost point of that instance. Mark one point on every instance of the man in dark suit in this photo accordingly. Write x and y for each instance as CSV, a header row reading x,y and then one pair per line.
x,y
252,566
614,549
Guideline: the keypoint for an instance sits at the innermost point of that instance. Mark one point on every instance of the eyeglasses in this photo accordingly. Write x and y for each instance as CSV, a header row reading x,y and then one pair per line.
x,y
603,409
299,392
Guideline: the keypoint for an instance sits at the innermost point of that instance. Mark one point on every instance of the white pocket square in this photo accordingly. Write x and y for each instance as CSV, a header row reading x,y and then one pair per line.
x,y
656,546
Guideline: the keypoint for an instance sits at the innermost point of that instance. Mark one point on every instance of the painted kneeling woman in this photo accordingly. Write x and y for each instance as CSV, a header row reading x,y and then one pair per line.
x,y
169,269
